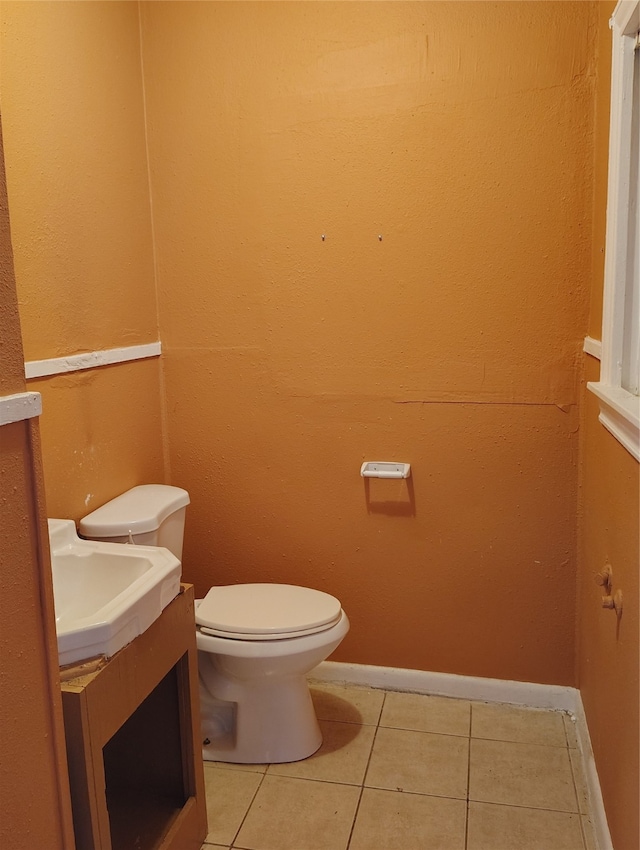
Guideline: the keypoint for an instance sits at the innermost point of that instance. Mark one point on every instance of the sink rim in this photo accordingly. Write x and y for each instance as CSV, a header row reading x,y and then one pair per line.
x,y
130,612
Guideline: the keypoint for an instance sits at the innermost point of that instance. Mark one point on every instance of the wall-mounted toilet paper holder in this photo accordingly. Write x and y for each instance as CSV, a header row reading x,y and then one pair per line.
x,y
384,469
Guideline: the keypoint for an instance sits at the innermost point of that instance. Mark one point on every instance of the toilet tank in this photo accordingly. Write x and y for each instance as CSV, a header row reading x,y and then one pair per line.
x,y
148,515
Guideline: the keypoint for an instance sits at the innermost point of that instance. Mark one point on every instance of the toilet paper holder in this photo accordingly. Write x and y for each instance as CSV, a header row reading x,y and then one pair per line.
x,y
384,469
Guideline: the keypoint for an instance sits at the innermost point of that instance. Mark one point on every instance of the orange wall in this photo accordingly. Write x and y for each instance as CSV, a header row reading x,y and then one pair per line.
x,y
32,737
453,343
73,107
608,654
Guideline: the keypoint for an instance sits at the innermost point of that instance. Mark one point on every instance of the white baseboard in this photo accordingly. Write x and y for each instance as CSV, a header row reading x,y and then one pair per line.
x,y
449,685
554,697
596,803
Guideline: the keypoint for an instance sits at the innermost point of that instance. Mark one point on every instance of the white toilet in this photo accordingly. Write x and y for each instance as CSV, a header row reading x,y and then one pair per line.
x,y
256,642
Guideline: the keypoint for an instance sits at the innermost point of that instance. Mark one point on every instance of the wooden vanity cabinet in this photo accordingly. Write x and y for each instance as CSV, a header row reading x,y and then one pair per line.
x,y
132,729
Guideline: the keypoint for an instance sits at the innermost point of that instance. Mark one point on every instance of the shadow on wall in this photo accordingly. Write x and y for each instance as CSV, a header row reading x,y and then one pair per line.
x,y
376,495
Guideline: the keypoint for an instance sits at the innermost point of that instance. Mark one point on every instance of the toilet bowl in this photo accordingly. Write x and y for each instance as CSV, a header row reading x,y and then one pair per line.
x,y
256,642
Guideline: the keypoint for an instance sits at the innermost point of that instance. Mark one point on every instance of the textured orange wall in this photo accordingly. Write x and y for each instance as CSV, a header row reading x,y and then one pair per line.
x,y
608,654
78,188
31,733
453,343
101,434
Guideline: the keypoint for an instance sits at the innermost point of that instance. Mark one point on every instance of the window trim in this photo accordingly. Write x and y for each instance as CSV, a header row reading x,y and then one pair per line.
x,y
619,409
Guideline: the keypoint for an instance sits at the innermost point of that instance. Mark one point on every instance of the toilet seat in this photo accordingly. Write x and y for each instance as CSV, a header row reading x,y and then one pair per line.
x,y
266,611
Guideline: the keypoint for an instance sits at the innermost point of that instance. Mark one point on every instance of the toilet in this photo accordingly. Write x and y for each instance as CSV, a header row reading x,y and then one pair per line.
x,y
256,642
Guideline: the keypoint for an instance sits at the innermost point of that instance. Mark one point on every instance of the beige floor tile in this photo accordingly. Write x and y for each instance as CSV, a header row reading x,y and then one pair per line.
x,y
529,775
215,847
570,731
580,781
343,756
420,762
494,827
512,723
426,714
347,703
229,795
390,820
299,814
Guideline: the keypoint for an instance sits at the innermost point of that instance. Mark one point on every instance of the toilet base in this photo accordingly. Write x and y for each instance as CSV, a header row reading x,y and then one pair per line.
x,y
270,722
255,702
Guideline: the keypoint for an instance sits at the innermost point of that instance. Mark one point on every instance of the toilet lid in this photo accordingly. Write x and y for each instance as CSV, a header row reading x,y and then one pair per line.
x,y
266,611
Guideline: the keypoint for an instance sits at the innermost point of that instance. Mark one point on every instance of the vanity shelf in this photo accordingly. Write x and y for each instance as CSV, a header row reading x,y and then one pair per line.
x,y
132,728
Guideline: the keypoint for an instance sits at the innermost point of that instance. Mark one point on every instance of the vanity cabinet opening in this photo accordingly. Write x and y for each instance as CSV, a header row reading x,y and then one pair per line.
x,y
143,768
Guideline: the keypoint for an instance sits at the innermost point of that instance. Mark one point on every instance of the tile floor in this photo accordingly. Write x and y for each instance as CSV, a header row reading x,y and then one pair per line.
x,y
403,771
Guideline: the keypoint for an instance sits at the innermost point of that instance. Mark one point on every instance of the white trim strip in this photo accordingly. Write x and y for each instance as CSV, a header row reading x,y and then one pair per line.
x,y
554,697
20,406
620,414
90,359
593,347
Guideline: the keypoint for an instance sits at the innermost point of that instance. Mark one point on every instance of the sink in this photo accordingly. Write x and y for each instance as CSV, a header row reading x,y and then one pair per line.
x,y
106,594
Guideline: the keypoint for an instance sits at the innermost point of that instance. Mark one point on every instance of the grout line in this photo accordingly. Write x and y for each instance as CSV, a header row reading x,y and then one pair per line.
x,y
589,832
569,723
366,770
380,788
466,824
465,735
373,743
466,820
582,832
577,765
524,808
384,699
426,731
573,780
355,817
566,733
248,809
406,793
313,779
521,743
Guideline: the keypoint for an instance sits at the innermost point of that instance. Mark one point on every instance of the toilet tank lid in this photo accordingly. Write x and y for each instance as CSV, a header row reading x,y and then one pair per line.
x,y
139,510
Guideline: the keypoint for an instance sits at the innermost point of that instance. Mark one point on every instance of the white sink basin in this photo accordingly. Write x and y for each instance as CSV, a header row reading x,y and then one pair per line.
x,y
106,594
